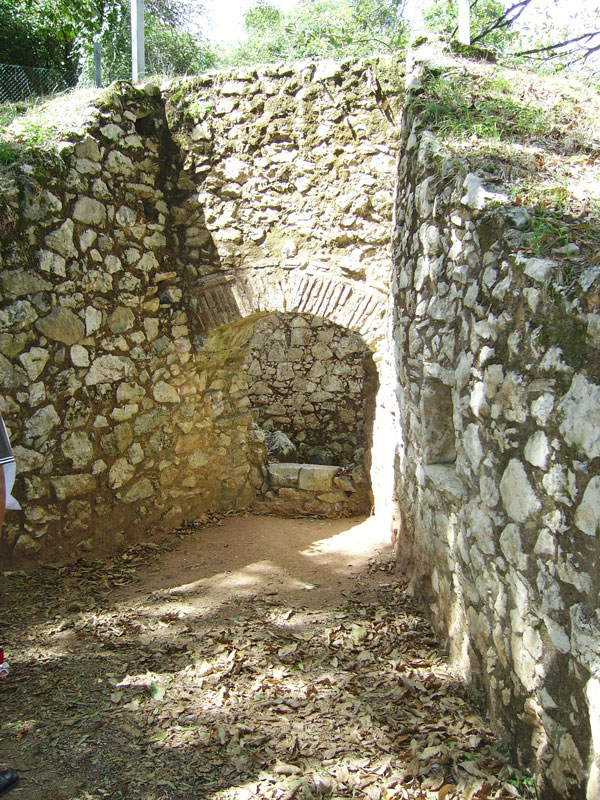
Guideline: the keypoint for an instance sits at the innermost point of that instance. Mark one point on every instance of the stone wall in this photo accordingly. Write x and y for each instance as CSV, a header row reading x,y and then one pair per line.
x,y
295,490
135,262
498,461
316,382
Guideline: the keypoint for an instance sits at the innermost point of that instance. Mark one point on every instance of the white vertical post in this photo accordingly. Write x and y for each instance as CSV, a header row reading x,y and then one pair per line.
x,y
138,61
464,21
97,64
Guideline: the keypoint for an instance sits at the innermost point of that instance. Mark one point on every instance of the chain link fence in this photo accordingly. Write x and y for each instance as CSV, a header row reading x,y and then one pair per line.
x,y
20,83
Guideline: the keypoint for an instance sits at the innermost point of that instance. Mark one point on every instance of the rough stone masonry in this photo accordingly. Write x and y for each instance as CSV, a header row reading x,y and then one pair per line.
x,y
135,265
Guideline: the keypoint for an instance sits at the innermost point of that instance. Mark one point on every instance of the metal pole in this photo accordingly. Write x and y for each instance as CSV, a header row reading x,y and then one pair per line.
x,y
97,64
138,61
464,22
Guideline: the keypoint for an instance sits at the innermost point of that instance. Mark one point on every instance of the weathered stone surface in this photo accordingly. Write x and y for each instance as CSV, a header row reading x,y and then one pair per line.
x,y
120,473
42,422
17,316
27,460
34,361
139,491
61,325
165,393
80,356
22,282
580,412
519,499
109,369
316,477
121,320
587,516
78,448
284,475
68,486
89,211
61,240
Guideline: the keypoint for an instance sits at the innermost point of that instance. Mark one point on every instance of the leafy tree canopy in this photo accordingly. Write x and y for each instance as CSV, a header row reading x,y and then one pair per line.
x,y
320,28
61,33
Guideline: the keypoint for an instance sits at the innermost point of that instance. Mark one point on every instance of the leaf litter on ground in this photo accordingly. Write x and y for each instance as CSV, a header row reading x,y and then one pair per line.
x,y
268,700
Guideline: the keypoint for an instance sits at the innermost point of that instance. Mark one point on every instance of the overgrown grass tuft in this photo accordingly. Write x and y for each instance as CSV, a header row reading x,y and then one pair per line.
x,y
458,107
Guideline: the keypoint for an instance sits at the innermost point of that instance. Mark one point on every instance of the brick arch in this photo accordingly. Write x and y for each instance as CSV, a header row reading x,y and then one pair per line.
x,y
218,300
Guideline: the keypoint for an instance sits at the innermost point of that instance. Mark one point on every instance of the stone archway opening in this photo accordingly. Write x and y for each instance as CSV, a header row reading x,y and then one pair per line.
x,y
312,387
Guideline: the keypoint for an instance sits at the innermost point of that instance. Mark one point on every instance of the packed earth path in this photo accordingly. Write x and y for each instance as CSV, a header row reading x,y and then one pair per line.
x,y
250,657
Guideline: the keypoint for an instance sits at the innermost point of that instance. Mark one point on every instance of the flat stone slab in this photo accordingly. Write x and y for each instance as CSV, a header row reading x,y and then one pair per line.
x,y
316,477
309,477
284,475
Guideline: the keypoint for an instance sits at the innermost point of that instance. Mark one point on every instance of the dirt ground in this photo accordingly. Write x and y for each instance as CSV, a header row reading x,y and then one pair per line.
x,y
259,657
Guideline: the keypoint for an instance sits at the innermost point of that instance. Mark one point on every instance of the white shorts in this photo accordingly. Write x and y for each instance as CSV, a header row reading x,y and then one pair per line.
x,y
7,463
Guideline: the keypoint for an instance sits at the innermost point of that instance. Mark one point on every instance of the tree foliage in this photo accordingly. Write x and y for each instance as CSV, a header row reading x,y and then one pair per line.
x,y
61,33
442,18
559,35
321,28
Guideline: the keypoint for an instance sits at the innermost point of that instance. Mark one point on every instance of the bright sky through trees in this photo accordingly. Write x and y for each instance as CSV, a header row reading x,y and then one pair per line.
x,y
227,16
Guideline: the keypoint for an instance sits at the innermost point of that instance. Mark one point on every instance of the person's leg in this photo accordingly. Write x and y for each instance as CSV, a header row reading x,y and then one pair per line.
x,y
8,777
2,497
8,780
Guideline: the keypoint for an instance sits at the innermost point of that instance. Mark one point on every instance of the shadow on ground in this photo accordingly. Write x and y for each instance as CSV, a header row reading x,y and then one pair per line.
x,y
260,657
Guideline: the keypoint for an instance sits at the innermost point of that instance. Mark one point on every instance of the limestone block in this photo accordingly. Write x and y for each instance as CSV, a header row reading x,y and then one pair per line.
x,y
20,282
89,211
122,413
477,197
95,280
120,473
332,497
587,516
293,495
80,357
518,497
42,422
539,269
284,475
165,393
61,325
235,170
18,316
93,320
121,320
109,369
119,164
77,447
34,361
88,148
139,491
580,412
537,450
129,391
316,477
27,460
542,407
68,486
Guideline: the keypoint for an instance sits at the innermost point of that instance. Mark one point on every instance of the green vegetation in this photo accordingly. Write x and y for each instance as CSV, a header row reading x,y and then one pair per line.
x,y
60,34
319,29
455,107
442,17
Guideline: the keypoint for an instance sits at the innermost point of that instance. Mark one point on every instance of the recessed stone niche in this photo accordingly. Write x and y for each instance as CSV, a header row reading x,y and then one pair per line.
x,y
316,382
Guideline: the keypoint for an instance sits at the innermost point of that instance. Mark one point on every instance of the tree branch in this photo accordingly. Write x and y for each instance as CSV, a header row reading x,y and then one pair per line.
x,y
558,45
504,21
